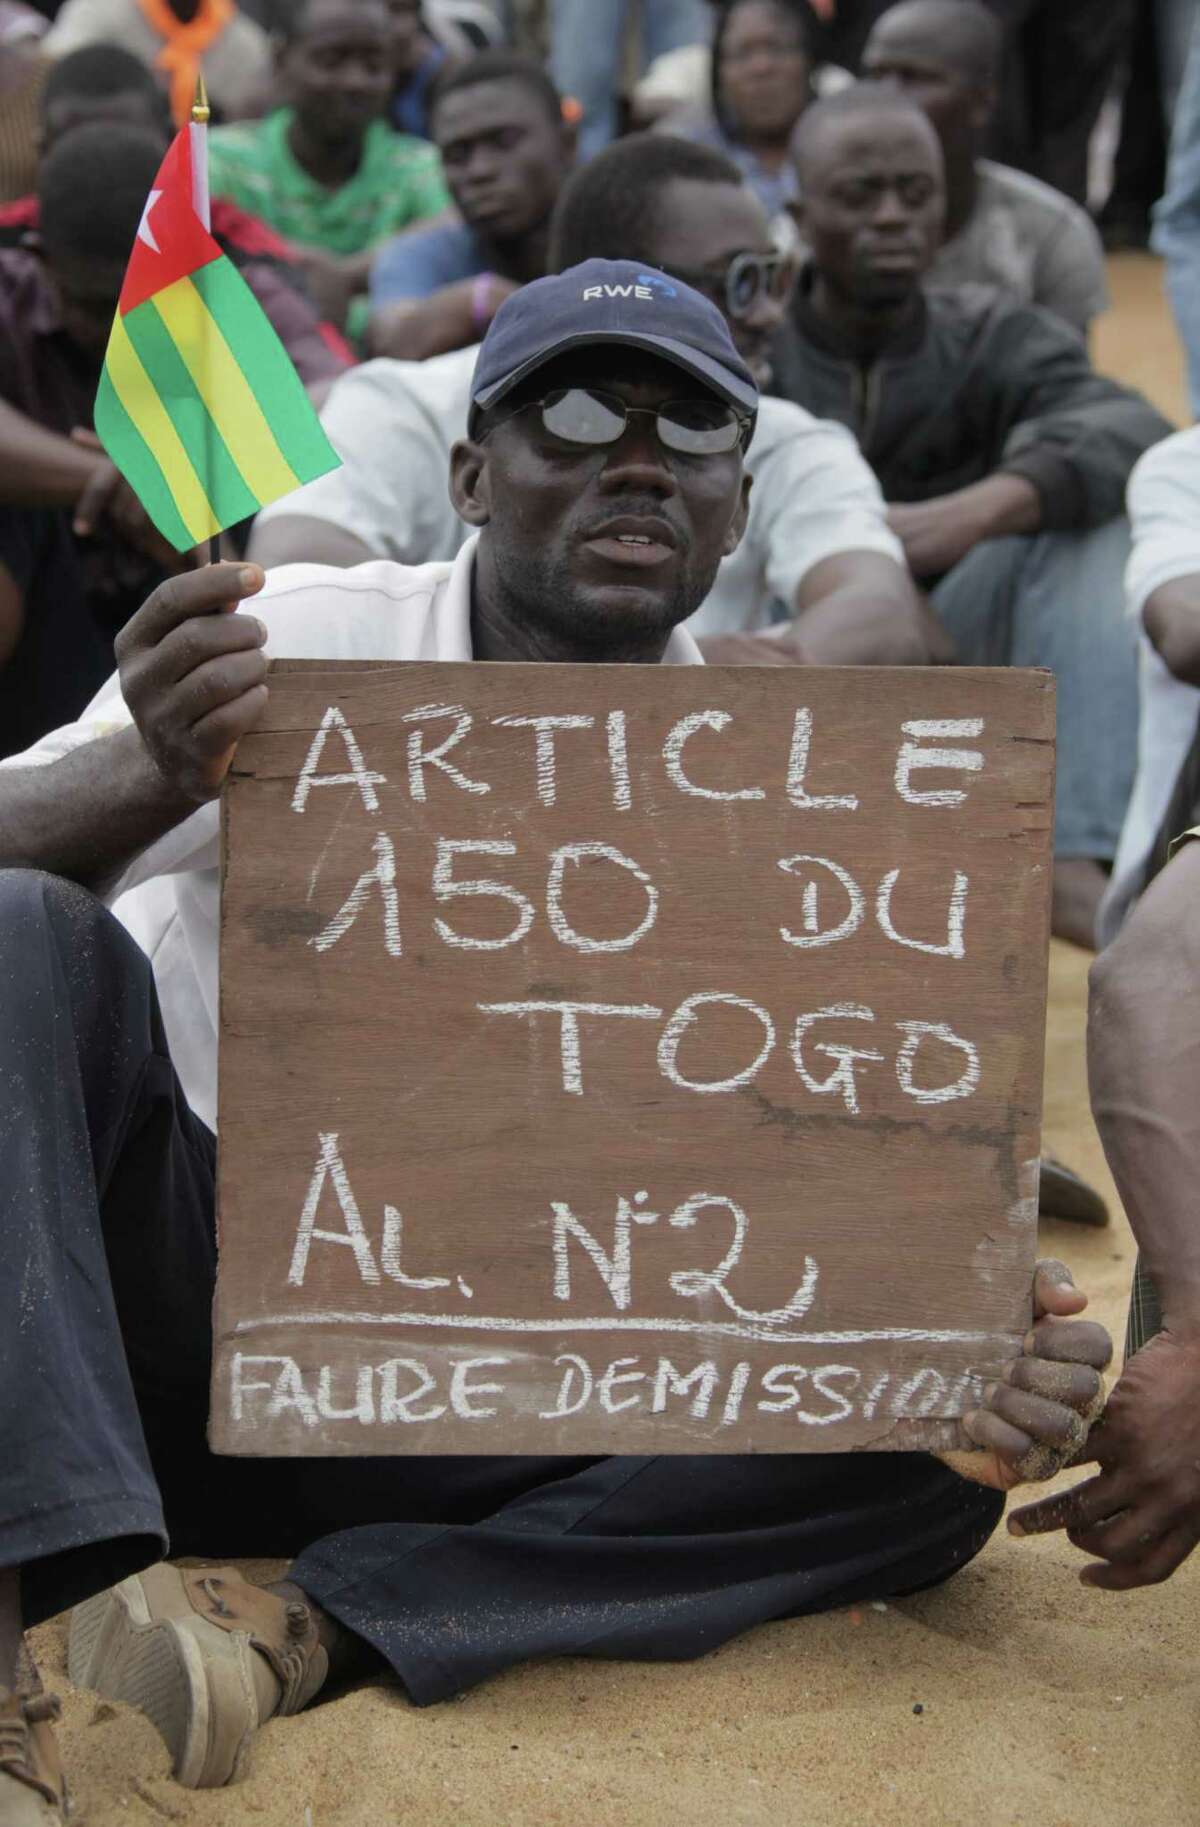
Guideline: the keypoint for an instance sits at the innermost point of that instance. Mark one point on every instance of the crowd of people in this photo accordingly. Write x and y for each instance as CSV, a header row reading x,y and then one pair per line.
x,y
864,229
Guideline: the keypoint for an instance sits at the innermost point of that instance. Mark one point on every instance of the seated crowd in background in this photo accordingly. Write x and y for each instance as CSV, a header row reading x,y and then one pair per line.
x,y
939,473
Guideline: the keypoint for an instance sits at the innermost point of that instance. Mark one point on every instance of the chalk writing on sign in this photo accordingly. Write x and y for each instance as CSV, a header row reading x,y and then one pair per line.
x,y
628,1059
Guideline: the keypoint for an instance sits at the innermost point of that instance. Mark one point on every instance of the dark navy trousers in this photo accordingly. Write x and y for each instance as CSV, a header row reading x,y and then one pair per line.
x,y
454,1568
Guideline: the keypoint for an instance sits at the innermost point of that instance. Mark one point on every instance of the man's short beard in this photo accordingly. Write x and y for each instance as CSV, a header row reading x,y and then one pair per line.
x,y
538,595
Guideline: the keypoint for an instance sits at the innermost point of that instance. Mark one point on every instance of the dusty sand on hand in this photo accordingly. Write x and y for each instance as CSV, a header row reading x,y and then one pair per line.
x,y
1042,1703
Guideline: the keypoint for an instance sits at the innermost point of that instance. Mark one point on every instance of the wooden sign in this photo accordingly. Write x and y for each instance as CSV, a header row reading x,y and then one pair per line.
x,y
628,1059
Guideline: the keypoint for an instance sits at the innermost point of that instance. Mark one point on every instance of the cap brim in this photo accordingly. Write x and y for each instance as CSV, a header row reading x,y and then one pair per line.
x,y
742,394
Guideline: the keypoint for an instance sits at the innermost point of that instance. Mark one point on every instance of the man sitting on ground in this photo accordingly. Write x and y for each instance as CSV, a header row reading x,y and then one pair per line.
x,y
327,172
106,1170
816,544
497,121
1003,227
1004,456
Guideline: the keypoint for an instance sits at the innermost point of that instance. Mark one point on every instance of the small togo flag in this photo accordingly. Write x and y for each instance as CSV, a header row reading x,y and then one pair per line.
x,y
199,405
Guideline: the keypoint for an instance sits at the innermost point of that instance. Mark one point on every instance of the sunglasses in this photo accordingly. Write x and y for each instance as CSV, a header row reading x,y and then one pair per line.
x,y
747,279
588,419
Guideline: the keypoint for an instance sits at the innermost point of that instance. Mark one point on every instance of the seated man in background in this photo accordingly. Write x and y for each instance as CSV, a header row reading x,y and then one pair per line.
x,y
101,82
182,39
1162,587
444,1569
816,543
416,57
77,550
327,172
1003,227
506,149
1002,454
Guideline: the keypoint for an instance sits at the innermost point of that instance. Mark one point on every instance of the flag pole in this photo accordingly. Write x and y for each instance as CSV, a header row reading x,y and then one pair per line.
x,y
200,201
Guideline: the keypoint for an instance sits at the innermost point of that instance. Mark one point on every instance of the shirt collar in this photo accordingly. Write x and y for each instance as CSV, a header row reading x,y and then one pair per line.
x,y
376,141
454,623
825,336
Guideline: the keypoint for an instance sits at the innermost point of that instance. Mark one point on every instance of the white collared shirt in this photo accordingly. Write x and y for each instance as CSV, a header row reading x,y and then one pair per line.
x,y
169,896
1164,518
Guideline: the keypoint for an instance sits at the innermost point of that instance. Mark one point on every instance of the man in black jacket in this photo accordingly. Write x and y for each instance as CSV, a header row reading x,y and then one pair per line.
x,y
1004,456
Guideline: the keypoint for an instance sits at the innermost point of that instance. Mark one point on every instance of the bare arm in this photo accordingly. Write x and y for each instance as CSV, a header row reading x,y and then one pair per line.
x,y
413,329
862,609
334,280
1141,1515
38,468
192,671
1171,617
937,534
852,609
291,539
1144,1070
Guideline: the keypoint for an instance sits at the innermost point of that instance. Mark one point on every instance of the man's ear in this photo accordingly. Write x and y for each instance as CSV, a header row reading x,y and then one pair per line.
x,y
471,483
568,135
737,526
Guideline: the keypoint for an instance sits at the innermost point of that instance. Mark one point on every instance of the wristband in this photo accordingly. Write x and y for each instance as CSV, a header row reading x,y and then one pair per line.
x,y
482,311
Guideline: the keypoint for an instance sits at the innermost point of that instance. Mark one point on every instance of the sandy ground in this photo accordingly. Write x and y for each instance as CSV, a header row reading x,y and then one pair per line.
x,y
1042,1703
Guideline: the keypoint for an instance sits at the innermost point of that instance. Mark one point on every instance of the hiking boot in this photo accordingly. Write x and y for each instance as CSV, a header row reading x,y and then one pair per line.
x,y
205,1655
32,1790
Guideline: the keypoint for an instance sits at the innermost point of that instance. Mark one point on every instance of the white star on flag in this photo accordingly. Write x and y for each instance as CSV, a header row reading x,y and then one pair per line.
x,y
145,232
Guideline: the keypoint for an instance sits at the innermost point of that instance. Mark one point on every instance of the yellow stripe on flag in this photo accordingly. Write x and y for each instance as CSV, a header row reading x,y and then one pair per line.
x,y
226,392
138,395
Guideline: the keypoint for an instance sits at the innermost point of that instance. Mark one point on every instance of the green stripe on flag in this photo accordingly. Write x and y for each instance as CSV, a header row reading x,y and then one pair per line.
x,y
268,369
136,462
223,481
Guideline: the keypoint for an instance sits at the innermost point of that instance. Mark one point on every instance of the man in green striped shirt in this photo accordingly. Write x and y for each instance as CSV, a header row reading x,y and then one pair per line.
x,y
326,170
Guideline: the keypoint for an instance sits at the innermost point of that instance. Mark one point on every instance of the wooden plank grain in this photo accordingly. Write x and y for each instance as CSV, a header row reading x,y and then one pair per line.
x,y
628,1059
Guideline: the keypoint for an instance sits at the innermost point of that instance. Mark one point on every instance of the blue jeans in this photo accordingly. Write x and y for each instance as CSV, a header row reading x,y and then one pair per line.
x,y
1057,600
585,52
1177,219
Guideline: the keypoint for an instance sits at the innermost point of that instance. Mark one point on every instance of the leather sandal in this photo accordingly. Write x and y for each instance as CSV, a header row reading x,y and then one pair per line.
x,y
1062,1193
32,1790
206,1656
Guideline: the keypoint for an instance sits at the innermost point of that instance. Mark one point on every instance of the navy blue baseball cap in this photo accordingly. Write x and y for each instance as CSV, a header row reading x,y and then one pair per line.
x,y
609,301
